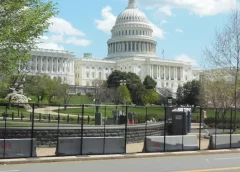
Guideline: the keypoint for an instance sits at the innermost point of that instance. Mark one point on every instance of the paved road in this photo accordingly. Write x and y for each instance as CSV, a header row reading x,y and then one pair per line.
x,y
206,163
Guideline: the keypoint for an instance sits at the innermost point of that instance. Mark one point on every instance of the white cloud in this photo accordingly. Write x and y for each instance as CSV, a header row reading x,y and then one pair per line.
x,y
185,58
46,43
164,21
63,27
157,32
108,20
78,42
198,7
50,46
179,30
166,10
62,32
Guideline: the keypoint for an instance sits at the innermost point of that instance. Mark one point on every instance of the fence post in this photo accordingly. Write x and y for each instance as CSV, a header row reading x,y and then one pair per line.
x,y
21,116
58,130
126,124
145,139
32,133
216,112
49,118
68,118
82,119
200,125
231,130
104,130
78,119
165,128
5,133
12,116
88,119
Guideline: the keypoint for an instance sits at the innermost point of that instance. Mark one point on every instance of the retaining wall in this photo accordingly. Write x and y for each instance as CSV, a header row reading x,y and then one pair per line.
x,y
47,136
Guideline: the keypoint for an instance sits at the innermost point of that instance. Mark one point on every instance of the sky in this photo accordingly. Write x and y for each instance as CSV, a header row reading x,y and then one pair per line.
x,y
182,28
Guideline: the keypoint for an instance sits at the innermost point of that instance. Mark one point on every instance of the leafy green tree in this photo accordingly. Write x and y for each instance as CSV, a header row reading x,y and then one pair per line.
x,y
38,87
114,78
22,22
122,95
180,96
191,91
149,82
150,96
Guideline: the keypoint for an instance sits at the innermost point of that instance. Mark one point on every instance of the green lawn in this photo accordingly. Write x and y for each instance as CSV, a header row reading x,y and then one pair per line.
x,y
14,110
82,99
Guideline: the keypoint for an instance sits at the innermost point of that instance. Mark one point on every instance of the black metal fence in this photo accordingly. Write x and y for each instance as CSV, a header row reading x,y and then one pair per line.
x,y
63,130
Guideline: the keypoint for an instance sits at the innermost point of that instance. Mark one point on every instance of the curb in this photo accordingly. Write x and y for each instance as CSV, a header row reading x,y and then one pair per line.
x,y
113,157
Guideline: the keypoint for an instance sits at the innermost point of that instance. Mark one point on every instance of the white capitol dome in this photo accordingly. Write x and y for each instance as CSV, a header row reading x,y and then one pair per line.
x,y
132,15
131,35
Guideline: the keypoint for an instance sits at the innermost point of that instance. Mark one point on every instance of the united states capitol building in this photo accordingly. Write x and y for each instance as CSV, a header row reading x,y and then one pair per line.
x,y
131,48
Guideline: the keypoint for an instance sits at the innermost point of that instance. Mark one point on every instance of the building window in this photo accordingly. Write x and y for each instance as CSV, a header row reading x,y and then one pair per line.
x,y
87,75
100,75
93,75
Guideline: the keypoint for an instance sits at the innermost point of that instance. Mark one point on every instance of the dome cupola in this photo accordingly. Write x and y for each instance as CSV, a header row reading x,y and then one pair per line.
x,y
131,35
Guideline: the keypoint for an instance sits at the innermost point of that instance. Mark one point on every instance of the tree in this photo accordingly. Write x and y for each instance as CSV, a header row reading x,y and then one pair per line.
x,y
149,82
38,87
64,94
191,91
224,52
150,96
114,78
102,93
123,95
22,22
180,96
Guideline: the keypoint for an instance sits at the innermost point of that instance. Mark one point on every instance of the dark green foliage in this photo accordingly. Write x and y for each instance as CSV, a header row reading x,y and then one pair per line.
x,y
149,82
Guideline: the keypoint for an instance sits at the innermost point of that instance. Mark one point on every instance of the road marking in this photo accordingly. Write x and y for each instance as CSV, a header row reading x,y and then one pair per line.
x,y
231,158
10,171
213,169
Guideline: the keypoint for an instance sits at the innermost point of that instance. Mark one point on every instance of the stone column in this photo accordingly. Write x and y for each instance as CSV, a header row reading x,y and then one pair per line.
x,y
41,64
52,64
36,63
164,71
47,64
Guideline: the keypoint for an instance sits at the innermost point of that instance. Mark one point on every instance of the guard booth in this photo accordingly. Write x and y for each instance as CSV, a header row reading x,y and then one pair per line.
x,y
181,121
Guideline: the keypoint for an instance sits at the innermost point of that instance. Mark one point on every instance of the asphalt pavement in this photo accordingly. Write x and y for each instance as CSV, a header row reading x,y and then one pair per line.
x,y
191,163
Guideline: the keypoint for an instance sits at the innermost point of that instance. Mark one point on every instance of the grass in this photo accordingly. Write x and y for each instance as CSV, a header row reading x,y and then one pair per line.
x,y
107,111
14,110
82,99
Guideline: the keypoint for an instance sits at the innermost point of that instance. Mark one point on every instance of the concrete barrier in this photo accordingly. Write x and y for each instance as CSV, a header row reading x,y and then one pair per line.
x,y
172,143
90,145
17,148
222,141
